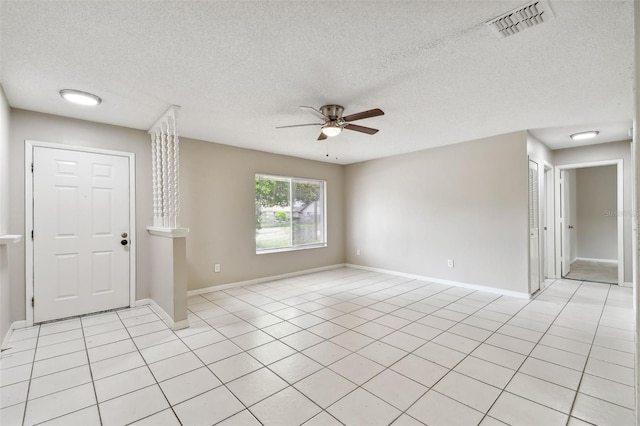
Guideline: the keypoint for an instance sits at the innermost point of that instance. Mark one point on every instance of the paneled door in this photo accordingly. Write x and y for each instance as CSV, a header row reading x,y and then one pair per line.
x,y
565,220
81,232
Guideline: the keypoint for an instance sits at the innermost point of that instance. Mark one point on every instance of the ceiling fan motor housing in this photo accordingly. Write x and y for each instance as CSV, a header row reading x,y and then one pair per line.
x,y
334,112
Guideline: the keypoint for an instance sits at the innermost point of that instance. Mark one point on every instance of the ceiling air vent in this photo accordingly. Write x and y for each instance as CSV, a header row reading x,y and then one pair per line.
x,y
522,18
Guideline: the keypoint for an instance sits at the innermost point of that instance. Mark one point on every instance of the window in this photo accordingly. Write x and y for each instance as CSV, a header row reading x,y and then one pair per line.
x,y
290,213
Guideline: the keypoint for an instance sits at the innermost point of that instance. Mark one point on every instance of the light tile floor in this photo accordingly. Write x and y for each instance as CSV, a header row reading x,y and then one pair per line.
x,y
587,270
338,347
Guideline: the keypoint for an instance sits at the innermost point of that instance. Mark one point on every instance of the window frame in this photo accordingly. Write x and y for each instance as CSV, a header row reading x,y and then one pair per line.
x,y
292,180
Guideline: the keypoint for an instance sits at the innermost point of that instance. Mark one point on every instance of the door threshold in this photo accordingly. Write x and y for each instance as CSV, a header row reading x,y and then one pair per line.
x,y
589,281
81,316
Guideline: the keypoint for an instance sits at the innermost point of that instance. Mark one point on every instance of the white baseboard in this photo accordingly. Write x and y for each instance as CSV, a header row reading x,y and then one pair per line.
x,y
14,325
262,280
163,314
478,287
589,259
627,284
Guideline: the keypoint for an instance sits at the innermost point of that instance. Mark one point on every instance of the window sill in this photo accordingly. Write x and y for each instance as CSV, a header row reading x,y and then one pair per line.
x,y
286,249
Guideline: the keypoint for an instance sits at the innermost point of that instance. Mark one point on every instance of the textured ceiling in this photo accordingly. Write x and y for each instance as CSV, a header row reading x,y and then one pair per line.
x,y
239,69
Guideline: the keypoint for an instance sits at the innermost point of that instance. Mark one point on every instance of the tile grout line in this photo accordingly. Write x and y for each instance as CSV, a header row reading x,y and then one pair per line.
x,y
333,297
324,340
458,322
444,290
275,373
395,330
63,390
504,389
26,402
93,383
575,397
150,371
469,355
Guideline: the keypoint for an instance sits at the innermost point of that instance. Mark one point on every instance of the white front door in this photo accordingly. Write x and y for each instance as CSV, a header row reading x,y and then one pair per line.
x,y
80,214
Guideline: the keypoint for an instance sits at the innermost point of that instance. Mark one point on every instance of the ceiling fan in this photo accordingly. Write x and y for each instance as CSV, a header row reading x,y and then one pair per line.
x,y
333,122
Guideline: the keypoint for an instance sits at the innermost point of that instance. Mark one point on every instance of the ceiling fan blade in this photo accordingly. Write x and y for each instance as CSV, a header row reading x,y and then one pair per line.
x,y
364,114
362,129
315,112
299,125
322,136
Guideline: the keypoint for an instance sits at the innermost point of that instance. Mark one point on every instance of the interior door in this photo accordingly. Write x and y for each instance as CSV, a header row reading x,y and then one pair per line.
x,y
81,227
565,221
534,228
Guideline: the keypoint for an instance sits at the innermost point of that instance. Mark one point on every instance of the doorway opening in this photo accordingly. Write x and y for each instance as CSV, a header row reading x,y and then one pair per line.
x,y
589,222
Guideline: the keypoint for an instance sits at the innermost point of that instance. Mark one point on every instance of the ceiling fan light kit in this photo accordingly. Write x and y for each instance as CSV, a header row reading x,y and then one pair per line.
x,y
331,129
334,122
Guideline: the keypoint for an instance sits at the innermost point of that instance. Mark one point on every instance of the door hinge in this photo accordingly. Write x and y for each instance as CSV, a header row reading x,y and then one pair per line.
x,y
32,234
31,167
33,302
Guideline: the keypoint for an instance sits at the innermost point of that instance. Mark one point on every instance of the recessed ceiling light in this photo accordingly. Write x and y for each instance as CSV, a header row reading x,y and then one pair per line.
x,y
585,135
79,97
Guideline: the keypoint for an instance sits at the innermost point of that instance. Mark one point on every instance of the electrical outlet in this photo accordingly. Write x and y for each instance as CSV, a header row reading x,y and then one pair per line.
x,y
450,263
216,267
357,252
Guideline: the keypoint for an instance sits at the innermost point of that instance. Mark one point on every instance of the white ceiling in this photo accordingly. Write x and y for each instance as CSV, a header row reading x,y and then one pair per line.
x,y
238,69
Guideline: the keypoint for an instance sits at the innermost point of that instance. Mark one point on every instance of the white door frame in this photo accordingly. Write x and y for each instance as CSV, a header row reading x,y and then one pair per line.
x,y
620,210
543,205
548,269
533,287
28,220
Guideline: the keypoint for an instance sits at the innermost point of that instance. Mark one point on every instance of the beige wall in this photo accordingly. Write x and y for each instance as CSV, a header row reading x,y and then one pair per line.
x,y
409,213
219,209
49,128
466,202
608,151
169,275
5,283
597,232
217,203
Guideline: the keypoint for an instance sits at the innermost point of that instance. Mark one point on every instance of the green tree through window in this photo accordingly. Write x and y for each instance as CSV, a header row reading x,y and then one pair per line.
x,y
290,213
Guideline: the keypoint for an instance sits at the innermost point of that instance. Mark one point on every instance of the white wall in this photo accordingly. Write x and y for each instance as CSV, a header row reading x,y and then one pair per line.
x,y
608,151
539,152
5,178
597,231
467,202
217,203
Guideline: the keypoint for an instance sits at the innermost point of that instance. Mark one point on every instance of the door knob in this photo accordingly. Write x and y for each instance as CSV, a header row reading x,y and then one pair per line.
x,y
124,242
